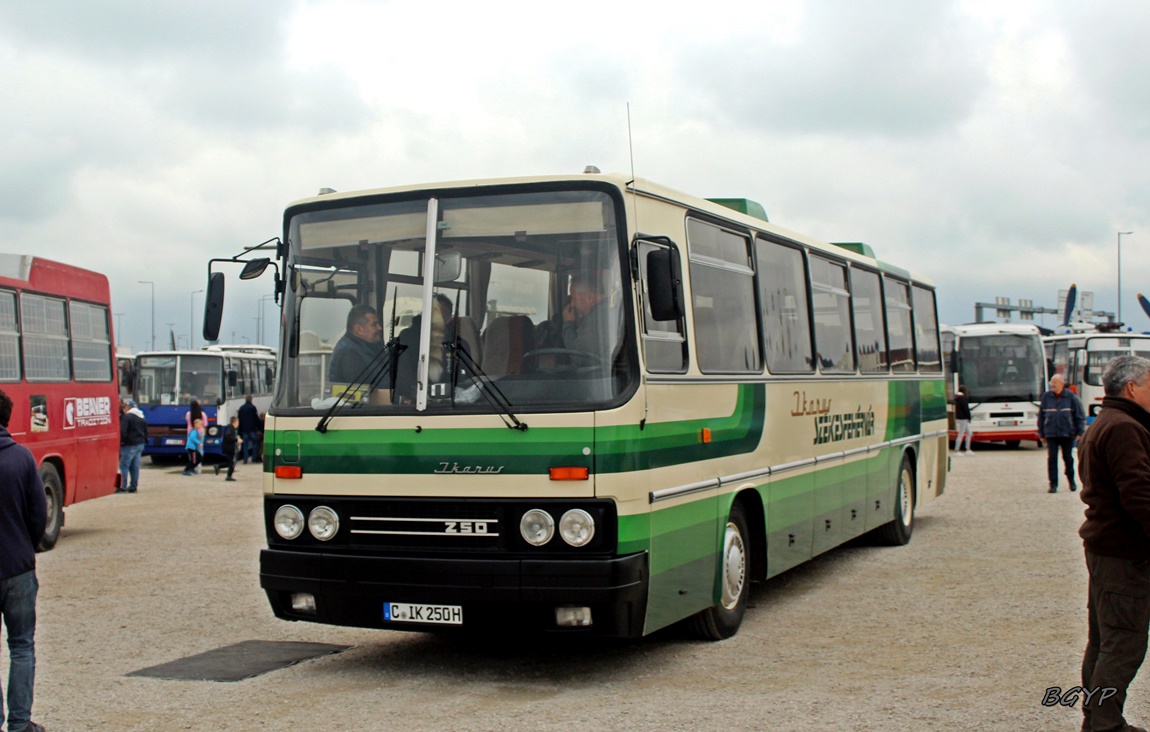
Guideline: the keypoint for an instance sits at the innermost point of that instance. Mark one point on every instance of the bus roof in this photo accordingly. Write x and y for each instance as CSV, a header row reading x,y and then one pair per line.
x,y
991,328
46,275
728,208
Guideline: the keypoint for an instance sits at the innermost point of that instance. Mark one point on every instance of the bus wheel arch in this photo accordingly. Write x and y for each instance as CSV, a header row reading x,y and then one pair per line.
x,y
722,620
898,531
52,476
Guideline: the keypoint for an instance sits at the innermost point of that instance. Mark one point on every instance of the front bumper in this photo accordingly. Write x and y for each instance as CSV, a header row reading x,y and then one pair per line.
x,y
351,589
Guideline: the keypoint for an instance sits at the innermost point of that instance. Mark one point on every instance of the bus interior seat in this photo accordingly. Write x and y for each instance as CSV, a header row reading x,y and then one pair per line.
x,y
469,332
506,340
309,341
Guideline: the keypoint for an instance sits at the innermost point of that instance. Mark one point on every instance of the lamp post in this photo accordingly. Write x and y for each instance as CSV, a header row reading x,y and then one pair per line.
x,y
192,319
1120,235
153,286
263,321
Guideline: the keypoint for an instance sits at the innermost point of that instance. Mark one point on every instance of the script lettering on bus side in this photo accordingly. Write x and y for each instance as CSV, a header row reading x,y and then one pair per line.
x,y
807,407
844,426
455,468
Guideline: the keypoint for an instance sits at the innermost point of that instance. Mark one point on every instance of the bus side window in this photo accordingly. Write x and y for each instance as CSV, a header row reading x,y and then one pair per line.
x,y
926,330
831,299
785,303
723,292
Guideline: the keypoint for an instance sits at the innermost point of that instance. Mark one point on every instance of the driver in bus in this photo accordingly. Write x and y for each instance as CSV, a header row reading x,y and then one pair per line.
x,y
358,346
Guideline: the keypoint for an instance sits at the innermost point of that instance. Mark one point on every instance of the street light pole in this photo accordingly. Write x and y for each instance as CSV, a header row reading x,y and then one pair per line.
x,y
263,321
192,319
1119,308
153,286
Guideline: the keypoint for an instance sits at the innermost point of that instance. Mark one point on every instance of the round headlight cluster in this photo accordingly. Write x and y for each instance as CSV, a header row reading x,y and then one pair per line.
x,y
322,522
576,527
214,431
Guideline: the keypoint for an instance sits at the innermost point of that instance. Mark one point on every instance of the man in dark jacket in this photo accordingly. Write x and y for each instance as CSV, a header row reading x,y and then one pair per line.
x,y
133,437
250,427
1061,421
23,516
1114,464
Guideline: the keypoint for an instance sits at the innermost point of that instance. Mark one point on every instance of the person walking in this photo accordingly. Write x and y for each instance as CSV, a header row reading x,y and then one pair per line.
x,y
962,420
1114,464
229,446
133,437
250,427
194,447
23,517
1060,422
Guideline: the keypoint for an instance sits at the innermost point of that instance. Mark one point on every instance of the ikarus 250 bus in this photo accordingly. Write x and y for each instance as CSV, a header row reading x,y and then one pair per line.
x,y
583,403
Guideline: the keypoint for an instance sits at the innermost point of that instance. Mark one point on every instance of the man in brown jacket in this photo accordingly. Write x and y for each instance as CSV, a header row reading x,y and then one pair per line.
x,y
1114,465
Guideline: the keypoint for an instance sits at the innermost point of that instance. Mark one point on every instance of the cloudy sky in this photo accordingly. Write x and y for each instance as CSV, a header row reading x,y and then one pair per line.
x,y
994,147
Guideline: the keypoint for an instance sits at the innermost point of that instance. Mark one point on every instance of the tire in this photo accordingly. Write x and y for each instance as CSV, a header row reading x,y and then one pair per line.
x,y
723,619
898,531
54,493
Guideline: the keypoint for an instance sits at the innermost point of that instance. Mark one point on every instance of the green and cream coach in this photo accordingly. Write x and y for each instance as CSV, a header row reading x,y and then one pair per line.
x,y
597,405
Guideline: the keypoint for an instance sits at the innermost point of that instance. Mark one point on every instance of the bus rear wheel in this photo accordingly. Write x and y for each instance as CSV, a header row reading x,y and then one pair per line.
x,y
898,531
723,619
54,493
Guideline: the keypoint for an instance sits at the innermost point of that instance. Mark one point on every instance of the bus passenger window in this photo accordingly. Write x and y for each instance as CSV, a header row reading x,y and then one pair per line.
x,y
786,315
832,316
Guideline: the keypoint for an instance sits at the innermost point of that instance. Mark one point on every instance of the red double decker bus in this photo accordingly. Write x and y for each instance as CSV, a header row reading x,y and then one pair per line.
x,y
57,365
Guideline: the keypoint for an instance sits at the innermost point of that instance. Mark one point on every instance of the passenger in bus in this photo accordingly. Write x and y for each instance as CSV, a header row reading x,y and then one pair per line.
x,y
442,331
585,323
23,517
358,347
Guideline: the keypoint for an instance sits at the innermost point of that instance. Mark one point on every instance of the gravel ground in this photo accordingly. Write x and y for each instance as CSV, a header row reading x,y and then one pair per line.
x,y
963,629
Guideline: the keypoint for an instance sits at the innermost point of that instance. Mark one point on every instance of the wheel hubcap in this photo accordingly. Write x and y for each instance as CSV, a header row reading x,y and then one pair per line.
x,y
734,566
904,497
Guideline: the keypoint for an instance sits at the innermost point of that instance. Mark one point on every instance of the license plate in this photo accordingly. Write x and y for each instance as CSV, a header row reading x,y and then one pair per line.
x,y
1008,423
173,442
405,612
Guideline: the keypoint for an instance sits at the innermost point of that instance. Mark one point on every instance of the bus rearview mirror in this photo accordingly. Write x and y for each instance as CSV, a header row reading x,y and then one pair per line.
x,y
214,306
664,284
448,266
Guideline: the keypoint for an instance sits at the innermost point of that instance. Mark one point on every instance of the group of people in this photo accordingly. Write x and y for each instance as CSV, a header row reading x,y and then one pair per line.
x,y
578,327
1114,468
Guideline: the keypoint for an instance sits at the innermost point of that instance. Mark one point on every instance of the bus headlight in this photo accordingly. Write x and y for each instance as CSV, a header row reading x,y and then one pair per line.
x,y
537,527
288,522
214,430
577,527
323,523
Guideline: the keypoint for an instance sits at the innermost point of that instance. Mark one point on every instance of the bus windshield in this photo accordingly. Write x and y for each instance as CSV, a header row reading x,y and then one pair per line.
x,y
1001,367
199,378
526,293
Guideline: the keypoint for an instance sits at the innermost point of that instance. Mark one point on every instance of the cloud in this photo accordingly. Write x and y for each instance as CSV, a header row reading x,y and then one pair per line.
x,y
894,69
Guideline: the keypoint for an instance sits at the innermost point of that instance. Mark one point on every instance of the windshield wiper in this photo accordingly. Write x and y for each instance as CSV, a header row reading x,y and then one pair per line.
x,y
369,375
483,383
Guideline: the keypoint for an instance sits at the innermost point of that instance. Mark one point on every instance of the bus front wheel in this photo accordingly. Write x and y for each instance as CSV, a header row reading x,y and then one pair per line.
x,y
898,531
723,619
54,493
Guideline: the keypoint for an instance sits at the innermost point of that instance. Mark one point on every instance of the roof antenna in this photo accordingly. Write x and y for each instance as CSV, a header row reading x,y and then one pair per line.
x,y
630,143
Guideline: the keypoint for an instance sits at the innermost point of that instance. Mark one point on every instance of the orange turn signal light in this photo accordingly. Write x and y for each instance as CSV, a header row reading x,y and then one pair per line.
x,y
289,471
705,435
569,473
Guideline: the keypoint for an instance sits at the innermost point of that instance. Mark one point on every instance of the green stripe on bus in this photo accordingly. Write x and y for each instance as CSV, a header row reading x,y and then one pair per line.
x,y
612,449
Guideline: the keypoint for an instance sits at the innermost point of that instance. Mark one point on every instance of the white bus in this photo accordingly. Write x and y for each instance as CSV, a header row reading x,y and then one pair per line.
x,y
167,382
729,400
1004,368
1080,358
